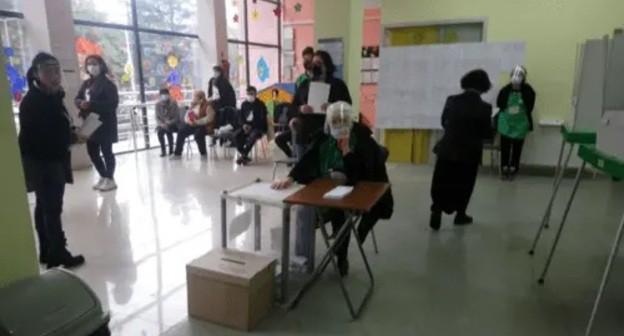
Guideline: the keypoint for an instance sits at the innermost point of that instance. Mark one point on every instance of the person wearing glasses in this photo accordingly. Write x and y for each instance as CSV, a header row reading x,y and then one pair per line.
x,y
46,135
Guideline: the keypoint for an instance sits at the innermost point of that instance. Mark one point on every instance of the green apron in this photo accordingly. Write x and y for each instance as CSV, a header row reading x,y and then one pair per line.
x,y
513,122
331,157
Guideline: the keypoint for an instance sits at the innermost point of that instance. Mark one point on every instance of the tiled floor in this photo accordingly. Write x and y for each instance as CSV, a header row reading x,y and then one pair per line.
x,y
461,281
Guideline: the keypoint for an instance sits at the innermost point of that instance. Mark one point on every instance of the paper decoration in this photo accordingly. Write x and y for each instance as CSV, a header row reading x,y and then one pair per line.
x,y
263,69
235,18
174,78
240,60
172,60
277,11
125,78
176,93
255,15
87,47
298,7
17,82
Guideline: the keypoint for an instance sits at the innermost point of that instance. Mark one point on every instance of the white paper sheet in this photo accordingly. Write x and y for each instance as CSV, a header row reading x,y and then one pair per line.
x,y
289,59
339,192
318,95
90,125
262,192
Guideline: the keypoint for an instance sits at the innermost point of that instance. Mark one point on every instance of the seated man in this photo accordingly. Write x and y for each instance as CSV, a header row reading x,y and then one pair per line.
x,y
168,118
255,125
198,121
348,148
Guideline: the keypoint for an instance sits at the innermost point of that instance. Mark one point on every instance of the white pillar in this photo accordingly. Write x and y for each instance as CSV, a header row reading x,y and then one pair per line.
x,y
212,31
50,28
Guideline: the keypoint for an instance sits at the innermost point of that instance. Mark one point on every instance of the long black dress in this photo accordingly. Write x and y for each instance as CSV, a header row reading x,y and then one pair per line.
x,y
467,123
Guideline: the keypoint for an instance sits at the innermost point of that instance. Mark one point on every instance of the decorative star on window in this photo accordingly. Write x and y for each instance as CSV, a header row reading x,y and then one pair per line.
x,y
255,15
277,11
298,7
235,18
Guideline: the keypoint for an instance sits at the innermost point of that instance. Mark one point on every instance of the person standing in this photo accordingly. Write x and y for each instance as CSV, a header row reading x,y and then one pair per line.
x,y
168,118
98,95
222,96
467,122
46,134
307,55
254,118
514,121
199,121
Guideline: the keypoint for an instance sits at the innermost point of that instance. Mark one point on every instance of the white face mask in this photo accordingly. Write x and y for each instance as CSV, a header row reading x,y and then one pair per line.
x,y
251,99
164,98
516,81
216,74
339,132
94,70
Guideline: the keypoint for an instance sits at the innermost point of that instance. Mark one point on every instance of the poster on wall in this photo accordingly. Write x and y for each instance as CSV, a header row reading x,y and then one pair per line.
x,y
335,47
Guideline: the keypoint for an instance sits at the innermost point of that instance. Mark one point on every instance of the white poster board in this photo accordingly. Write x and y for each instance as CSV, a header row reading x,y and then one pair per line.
x,y
415,81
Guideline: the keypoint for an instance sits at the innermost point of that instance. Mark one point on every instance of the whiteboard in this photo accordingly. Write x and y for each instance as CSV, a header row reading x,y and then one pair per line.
x,y
414,81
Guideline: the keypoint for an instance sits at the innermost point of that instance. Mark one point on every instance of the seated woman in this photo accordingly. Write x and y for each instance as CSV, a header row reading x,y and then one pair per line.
x,y
168,117
344,148
199,121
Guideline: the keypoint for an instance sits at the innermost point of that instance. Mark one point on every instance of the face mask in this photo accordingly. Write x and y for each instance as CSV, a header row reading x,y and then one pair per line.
x,y
216,74
251,99
516,81
94,70
164,98
339,132
317,71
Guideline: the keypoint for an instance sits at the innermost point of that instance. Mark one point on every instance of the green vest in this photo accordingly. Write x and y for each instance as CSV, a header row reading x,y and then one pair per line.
x,y
513,122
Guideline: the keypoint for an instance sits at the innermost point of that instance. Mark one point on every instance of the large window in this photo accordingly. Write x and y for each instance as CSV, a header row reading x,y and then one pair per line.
x,y
254,40
16,52
149,45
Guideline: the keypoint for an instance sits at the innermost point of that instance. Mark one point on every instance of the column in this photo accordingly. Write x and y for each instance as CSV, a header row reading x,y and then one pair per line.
x,y
212,31
17,245
50,26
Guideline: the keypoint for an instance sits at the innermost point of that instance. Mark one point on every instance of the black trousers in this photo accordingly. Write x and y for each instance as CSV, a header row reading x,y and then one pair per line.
x,y
200,138
246,141
162,133
48,225
338,218
284,141
511,151
103,159
452,186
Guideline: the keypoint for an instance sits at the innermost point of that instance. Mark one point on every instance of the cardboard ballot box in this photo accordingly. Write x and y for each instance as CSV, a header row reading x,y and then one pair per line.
x,y
231,288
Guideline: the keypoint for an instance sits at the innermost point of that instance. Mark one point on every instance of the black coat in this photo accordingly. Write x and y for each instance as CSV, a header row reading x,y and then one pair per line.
x,y
227,96
467,122
367,162
103,101
260,113
45,139
528,96
311,123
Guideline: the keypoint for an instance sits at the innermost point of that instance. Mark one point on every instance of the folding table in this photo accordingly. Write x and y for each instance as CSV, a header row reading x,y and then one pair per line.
x,y
360,201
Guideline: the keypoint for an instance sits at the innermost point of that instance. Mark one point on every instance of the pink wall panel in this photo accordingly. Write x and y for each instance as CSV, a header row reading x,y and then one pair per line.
x,y
372,37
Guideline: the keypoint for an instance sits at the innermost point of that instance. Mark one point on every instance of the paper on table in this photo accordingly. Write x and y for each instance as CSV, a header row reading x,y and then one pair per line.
x,y
339,192
90,125
262,191
318,95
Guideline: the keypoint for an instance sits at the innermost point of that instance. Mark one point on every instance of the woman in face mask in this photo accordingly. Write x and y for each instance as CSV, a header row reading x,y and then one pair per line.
x,y
98,95
467,122
344,149
514,120
46,135
199,121
307,122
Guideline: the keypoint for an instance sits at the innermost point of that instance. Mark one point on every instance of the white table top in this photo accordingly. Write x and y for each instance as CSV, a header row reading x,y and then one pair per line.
x,y
261,192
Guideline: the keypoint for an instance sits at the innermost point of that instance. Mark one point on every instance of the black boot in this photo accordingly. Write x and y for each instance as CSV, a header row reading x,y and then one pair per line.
x,y
462,219
62,257
163,152
435,221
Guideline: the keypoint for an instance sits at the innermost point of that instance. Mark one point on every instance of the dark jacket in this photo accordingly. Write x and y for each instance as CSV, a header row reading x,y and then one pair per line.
x,y
103,100
259,111
311,123
367,162
45,139
528,96
467,122
227,96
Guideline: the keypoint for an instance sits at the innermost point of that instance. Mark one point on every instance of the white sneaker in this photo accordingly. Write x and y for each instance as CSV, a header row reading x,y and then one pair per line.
x,y
109,184
99,184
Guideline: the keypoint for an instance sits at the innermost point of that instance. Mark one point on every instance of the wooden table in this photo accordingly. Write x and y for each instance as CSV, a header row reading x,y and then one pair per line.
x,y
361,200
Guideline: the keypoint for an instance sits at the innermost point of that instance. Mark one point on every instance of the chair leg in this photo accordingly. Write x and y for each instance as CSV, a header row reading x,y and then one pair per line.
x,y
374,241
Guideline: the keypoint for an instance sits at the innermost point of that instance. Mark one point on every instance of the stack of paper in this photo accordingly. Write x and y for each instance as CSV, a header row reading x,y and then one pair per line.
x,y
339,192
90,125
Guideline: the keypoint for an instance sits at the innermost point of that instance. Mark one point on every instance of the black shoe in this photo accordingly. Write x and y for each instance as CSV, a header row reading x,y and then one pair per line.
x,y
504,174
343,267
463,219
66,260
163,154
435,222
239,161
